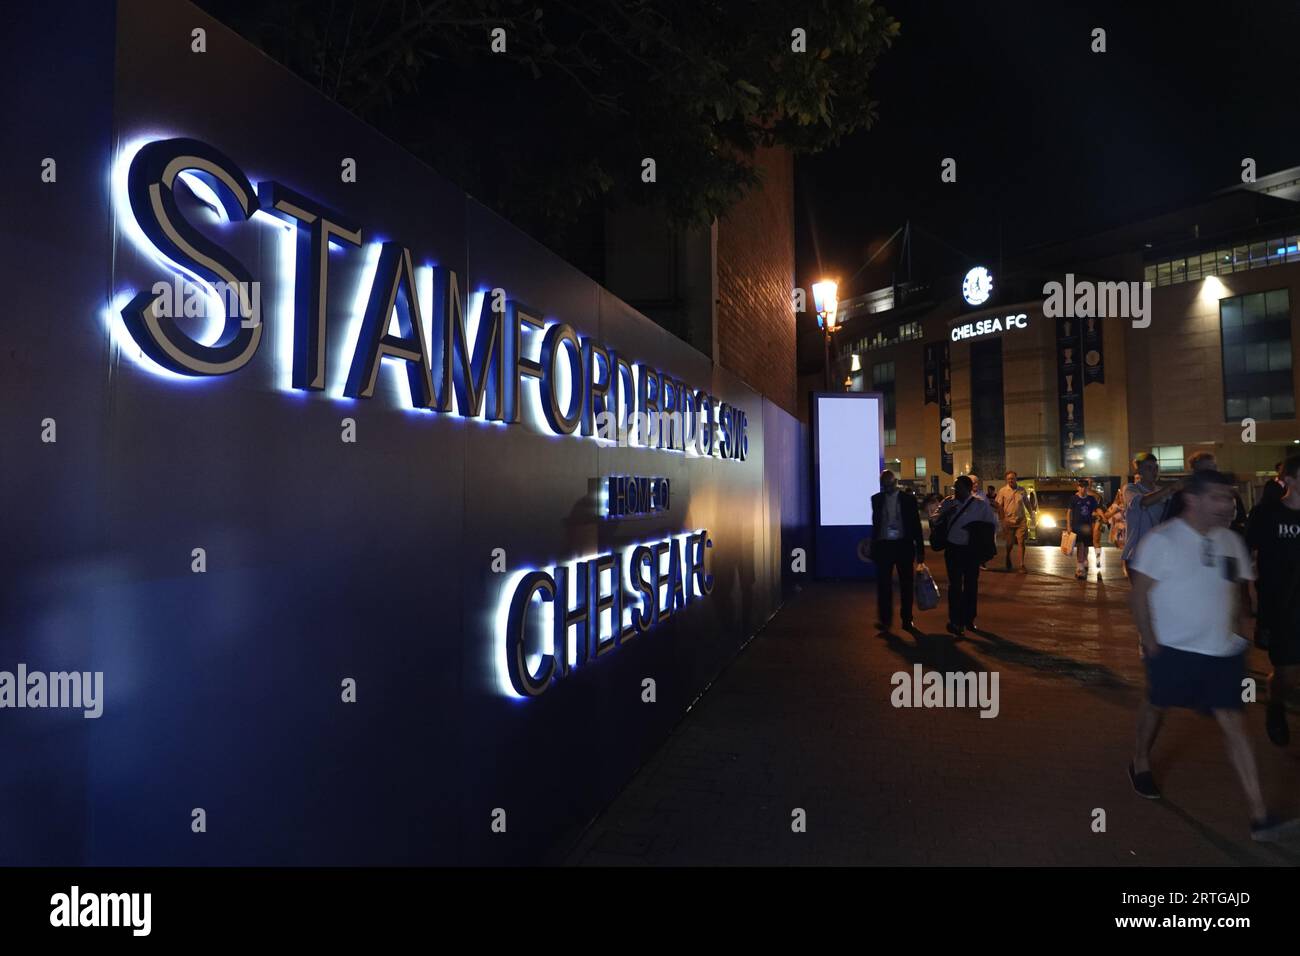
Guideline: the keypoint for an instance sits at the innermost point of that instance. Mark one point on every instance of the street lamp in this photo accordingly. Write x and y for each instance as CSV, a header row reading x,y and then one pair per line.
x,y
824,296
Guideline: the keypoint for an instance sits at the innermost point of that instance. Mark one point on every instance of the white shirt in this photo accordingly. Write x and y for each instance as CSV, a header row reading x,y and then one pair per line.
x,y
1192,603
1012,505
893,517
972,509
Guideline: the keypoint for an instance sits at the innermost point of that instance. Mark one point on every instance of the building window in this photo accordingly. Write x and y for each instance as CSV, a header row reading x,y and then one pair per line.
x,y
882,373
920,468
884,338
1255,255
891,438
1170,457
1256,336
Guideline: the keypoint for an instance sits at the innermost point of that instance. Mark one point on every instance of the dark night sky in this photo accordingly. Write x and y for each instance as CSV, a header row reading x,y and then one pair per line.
x,y
1051,140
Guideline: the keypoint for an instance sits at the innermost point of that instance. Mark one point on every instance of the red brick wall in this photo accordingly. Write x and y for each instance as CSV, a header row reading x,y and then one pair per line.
x,y
755,281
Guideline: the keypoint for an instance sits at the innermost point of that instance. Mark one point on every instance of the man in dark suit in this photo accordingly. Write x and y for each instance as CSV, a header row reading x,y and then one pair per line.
x,y
896,542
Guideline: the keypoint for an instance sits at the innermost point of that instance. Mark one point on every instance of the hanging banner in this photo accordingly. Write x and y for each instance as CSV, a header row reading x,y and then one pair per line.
x,y
932,373
1094,358
945,408
1069,380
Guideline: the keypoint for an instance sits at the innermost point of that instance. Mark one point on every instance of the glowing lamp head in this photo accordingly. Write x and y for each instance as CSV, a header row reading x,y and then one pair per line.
x,y
1093,454
825,298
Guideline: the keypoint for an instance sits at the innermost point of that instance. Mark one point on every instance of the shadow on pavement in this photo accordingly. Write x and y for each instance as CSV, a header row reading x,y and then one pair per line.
x,y
935,651
940,651
1092,677
1234,848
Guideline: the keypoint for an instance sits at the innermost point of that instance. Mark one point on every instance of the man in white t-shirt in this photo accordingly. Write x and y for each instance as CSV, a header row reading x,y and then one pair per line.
x,y
1187,576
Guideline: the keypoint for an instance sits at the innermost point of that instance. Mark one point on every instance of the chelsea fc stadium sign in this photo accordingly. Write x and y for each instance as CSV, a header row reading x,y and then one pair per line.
x,y
582,385
450,514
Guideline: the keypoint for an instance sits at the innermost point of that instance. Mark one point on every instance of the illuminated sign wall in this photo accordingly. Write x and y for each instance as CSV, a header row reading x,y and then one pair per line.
x,y
618,597
582,385
631,496
316,473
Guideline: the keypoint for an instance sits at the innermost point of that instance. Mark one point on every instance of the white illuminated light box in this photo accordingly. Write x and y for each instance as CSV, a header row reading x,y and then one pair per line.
x,y
848,455
977,286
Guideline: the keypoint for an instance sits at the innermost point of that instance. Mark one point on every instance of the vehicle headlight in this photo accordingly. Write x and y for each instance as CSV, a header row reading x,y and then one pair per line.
x,y
1046,521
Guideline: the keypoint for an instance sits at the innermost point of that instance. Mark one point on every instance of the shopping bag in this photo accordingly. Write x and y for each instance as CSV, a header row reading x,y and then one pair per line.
x,y
982,540
1067,542
926,591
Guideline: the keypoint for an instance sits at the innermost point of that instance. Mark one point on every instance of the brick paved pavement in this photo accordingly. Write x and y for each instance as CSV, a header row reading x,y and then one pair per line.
x,y
802,718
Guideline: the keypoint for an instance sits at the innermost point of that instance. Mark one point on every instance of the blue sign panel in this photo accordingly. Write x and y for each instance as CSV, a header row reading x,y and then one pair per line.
x,y
305,483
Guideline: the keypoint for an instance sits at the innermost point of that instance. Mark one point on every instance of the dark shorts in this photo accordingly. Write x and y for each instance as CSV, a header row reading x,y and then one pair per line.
x,y
1199,682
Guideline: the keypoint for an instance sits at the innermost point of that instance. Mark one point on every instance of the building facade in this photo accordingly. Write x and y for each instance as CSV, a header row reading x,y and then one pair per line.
x,y
723,288
1173,334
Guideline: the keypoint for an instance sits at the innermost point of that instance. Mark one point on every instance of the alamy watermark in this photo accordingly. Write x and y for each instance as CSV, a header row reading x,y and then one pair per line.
x,y
76,909
186,299
1085,299
950,689
684,431
82,690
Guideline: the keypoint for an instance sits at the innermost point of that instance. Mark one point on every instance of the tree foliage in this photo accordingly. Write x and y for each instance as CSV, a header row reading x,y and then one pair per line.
x,y
585,90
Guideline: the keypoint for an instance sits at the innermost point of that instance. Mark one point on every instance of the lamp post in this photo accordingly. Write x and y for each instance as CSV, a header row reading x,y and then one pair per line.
x,y
824,296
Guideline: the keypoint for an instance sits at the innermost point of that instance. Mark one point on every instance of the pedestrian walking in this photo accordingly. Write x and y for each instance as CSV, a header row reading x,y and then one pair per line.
x,y
1273,534
1114,515
1272,491
1186,603
1012,506
1145,503
970,523
1206,460
896,544
1079,519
